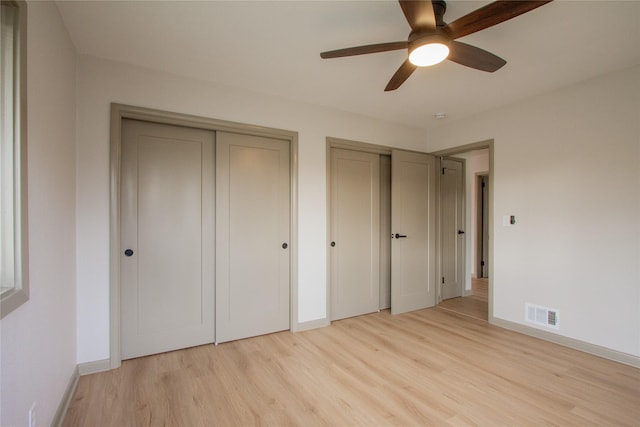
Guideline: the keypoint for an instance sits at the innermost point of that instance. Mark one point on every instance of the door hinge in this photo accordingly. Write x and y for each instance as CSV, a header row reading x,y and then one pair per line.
x,y
443,169
443,280
483,184
482,263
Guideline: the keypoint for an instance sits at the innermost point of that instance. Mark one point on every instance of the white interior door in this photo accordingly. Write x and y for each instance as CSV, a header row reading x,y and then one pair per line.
x,y
413,250
355,233
252,244
452,236
167,235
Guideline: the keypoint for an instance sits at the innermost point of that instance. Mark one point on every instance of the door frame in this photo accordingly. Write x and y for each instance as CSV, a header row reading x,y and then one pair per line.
x,y
122,111
487,144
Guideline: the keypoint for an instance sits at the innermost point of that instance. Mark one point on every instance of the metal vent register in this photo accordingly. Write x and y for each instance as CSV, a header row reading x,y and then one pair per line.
x,y
542,316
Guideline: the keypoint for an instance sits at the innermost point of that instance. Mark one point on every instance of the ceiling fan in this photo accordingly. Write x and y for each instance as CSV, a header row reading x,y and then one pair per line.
x,y
432,41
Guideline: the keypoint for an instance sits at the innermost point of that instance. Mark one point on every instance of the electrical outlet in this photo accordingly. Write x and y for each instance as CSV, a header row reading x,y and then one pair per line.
x,y
32,415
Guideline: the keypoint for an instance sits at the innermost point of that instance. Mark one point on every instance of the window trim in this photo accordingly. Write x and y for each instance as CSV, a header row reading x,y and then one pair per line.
x,y
13,298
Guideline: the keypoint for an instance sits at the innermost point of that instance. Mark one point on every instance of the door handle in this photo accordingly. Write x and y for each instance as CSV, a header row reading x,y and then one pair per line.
x,y
285,246
398,236
460,231
128,252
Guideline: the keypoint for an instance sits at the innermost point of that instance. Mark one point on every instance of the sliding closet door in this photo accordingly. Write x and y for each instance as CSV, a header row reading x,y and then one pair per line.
x,y
252,242
355,233
167,249
413,249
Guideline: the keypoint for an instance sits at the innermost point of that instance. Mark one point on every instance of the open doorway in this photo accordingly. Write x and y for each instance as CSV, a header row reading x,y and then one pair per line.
x,y
482,225
474,234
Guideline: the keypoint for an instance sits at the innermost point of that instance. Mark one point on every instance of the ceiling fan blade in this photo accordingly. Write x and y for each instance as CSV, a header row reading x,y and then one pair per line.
x,y
361,50
403,73
419,14
474,57
490,15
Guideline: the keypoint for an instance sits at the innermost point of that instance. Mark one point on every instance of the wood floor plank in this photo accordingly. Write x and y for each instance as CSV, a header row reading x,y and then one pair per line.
x,y
471,306
480,287
430,367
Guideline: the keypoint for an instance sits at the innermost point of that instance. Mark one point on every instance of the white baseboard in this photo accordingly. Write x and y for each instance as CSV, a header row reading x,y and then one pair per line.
x,y
596,350
58,418
313,324
94,367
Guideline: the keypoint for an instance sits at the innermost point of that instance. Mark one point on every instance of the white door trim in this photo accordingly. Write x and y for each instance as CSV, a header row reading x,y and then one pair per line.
x,y
121,111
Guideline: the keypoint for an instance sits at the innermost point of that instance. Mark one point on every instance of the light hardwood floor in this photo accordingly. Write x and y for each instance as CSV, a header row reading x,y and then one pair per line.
x,y
480,287
469,306
475,305
431,367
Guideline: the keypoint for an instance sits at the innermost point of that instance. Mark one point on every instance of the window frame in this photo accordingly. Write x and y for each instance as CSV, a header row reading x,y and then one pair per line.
x,y
12,298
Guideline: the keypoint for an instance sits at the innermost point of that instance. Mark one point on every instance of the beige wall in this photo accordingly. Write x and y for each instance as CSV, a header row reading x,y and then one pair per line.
x,y
567,165
39,338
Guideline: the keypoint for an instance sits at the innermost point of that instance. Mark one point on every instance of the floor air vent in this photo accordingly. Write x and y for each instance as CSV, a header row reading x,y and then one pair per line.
x,y
542,316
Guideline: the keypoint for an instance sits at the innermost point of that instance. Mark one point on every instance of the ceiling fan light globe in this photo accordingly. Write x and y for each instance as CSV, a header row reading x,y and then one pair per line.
x,y
429,54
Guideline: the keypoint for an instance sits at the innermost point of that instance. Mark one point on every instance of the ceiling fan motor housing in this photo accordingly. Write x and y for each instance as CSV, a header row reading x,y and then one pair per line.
x,y
420,37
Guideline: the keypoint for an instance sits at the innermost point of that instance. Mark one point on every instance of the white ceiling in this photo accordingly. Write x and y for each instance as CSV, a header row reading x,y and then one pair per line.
x,y
273,47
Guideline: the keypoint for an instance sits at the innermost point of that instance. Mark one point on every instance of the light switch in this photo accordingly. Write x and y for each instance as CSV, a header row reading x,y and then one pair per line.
x,y
508,220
